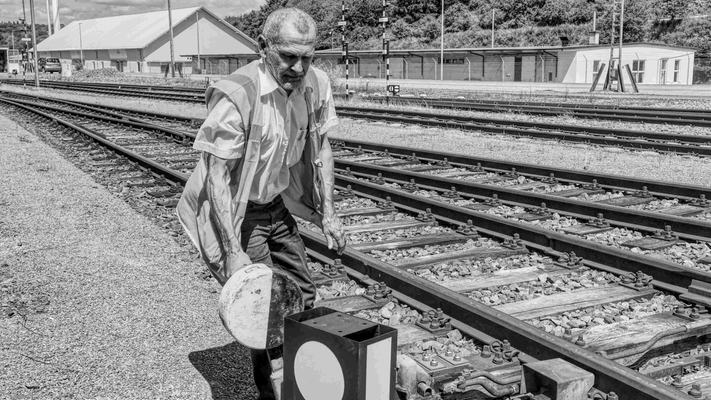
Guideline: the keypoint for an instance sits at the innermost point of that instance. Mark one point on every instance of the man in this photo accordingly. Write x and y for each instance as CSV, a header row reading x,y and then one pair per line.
x,y
265,155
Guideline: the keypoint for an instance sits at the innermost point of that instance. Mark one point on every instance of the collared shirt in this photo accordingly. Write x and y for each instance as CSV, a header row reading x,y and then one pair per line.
x,y
284,132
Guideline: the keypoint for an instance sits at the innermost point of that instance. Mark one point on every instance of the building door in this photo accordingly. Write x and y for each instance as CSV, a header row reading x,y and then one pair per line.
x,y
518,60
663,71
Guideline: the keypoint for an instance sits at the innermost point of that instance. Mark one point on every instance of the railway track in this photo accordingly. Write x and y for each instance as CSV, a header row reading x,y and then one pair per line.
x,y
190,95
495,279
696,145
661,115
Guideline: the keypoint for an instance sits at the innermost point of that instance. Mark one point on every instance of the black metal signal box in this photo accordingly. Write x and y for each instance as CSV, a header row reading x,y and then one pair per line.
x,y
330,355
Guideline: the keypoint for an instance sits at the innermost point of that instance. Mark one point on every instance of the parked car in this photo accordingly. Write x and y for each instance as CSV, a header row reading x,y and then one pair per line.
x,y
50,65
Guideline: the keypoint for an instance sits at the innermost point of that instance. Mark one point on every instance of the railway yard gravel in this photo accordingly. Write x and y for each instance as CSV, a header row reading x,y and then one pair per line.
x,y
687,170
98,301
565,119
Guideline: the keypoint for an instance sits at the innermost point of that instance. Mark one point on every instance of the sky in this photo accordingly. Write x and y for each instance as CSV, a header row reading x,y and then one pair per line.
x,y
75,10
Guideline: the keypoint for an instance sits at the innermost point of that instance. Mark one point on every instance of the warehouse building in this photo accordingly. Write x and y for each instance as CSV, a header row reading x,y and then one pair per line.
x,y
141,42
650,63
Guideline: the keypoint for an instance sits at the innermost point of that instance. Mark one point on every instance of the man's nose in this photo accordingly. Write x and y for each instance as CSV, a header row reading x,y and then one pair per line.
x,y
298,67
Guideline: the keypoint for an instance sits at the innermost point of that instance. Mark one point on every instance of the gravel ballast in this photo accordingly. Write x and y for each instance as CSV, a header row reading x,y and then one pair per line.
x,y
97,301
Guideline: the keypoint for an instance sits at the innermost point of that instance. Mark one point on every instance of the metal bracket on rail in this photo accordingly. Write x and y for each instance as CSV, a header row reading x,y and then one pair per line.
x,y
435,321
569,260
493,201
378,179
468,230
639,281
701,202
427,216
477,168
550,179
514,243
642,193
410,186
452,194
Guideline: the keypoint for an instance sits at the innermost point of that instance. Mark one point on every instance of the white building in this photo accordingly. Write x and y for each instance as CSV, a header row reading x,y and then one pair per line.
x,y
651,63
141,42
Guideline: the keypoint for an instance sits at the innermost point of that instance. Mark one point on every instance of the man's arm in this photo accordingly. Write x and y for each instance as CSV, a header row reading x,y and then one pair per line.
x,y
222,212
332,227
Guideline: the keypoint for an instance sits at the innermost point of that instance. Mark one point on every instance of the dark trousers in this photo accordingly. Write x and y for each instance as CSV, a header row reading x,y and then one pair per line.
x,y
270,236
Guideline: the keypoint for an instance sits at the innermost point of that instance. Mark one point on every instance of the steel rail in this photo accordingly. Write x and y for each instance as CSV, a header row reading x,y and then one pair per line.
x,y
613,182
689,228
114,119
667,272
620,182
689,144
117,112
170,175
195,98
609,375
676,111
117,85
648,116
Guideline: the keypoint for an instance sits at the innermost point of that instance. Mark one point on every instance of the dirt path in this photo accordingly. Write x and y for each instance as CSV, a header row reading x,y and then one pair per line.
x,y
97,301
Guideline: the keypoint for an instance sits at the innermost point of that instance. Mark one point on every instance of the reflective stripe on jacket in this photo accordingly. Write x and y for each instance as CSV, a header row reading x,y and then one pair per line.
x,y
302,197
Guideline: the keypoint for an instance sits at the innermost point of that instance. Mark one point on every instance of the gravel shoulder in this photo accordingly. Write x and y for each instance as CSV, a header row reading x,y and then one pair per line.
x,y
96,300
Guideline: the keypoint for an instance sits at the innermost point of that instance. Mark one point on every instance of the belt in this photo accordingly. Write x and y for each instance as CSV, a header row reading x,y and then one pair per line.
x,y
274,202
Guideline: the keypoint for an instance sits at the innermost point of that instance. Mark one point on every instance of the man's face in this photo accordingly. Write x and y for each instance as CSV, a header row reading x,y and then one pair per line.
x,y
289,61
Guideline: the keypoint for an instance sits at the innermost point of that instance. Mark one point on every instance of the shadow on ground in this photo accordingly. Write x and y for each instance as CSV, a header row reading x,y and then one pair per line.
x,y
227,369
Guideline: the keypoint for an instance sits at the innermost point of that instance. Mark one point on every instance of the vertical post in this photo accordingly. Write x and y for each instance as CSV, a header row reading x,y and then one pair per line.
x,y
13,39
441,47
197,29
492,29
612,52
386,50
344,44
620,84
49,17
172,53
594,20
34,41
55,16
81,47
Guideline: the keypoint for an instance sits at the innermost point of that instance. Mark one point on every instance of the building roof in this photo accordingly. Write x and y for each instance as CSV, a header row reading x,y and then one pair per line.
x,y
489,50
134,31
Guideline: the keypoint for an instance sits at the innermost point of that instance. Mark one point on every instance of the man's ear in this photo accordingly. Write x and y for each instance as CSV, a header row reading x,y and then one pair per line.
x,y
262,42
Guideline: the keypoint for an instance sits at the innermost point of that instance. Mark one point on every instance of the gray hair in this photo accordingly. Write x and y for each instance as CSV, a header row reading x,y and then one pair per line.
x,y
293,16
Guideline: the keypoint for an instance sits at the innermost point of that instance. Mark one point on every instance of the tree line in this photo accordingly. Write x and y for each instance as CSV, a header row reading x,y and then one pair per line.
x,y
415,24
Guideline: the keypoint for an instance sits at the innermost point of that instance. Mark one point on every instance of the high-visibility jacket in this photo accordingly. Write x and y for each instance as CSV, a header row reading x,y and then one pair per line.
x,y
303,195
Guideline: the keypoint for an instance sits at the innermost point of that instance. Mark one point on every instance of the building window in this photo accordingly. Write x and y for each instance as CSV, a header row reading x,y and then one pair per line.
x,y
677,64
595,68
638,70
454,61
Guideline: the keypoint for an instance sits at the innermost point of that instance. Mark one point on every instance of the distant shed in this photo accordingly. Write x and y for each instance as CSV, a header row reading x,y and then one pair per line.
x,y
651,63
141,42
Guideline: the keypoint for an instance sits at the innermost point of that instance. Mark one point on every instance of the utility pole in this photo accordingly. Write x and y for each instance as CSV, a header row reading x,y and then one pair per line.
x,y
34,41
81,47
197,29
492,28
49,17
619,60
172,50
13,39
441,47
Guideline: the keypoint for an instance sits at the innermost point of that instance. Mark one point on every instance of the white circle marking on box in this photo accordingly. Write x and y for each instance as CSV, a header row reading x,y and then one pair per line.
x,y
318,373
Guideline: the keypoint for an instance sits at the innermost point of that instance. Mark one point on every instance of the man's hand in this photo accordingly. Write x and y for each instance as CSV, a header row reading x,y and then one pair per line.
x,y
333,230
235,262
